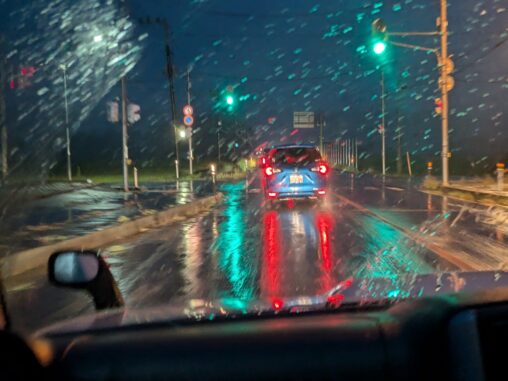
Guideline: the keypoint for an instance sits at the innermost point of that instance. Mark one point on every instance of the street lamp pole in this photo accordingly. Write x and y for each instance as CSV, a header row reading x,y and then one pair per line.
x,y
67,132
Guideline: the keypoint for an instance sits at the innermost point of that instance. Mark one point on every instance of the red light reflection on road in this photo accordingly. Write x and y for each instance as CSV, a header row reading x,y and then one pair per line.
x,y
324,224
270,278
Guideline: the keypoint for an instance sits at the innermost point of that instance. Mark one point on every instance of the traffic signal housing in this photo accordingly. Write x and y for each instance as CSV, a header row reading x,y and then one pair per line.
x,y
379,36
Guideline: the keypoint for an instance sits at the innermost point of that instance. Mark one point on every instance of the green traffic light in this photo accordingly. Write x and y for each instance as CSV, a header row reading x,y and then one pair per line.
x,y
230,100
379,47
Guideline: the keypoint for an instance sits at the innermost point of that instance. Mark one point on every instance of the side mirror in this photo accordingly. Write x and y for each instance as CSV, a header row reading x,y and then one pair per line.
x,y
85,270
73,269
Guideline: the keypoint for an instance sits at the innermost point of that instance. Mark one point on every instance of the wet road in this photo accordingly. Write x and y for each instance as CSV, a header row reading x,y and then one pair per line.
x,y
243,250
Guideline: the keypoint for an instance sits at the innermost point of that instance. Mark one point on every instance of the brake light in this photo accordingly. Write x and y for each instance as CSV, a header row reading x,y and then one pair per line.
x,y
263,160
269,171
323,169
321,192
272,194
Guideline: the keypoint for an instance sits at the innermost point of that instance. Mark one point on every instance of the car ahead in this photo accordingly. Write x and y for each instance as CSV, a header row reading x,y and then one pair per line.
x,y
295,171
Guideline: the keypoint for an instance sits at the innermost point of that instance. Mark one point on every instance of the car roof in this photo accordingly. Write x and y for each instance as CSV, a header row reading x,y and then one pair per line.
x,y
294,146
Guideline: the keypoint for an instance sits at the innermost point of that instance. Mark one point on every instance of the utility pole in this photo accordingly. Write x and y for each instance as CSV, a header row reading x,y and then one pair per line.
x,y
443,21
125,149
3,121
383,127
163,23
191,154
68,137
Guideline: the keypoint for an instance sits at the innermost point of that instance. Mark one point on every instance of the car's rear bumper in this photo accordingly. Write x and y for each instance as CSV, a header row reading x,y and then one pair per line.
x,y
286,194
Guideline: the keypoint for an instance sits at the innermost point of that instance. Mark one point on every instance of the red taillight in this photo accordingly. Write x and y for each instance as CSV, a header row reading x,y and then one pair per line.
x,y
277,304
321,192
269,171
272,194
323,169
263,160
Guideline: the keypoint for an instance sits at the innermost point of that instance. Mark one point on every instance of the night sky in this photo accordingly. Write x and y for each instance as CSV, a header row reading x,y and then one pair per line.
x,y
278,56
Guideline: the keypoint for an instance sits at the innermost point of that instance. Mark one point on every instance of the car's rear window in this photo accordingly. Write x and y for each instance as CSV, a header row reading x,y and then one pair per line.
x,y
296,156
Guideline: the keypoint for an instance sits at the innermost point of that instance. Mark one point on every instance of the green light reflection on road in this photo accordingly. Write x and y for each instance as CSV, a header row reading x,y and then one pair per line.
x,y
238,263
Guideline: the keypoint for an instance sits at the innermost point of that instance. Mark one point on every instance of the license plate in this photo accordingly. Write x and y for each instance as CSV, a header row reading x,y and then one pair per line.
x,y
295,179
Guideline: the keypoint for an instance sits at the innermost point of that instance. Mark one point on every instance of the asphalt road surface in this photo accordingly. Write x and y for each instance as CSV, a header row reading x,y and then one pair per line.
x,y
367,228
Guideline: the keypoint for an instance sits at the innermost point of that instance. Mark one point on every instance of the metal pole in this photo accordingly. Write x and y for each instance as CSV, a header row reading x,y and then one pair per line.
x,y
125,150
67,134
136,184
444,89
190,129
3,122
321,133
410,171
219,124
383,131
356,154
190,152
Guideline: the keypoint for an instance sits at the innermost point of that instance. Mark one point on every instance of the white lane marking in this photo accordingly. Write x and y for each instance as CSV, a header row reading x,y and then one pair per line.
x,y
395,189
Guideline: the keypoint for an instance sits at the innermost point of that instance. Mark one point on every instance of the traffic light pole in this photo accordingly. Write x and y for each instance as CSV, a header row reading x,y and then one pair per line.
x,y
125,150
444,71
444,90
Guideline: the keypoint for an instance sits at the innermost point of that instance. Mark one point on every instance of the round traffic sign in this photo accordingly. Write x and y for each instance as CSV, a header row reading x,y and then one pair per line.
x,y
188,110
188,120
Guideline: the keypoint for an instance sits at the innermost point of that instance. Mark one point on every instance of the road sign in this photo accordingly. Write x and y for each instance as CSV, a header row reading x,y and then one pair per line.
x,y
303,120
449,83
112,112
188,110
133,113
188,120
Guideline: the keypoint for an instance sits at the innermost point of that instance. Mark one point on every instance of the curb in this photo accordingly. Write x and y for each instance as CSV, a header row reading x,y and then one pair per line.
x,y
24,261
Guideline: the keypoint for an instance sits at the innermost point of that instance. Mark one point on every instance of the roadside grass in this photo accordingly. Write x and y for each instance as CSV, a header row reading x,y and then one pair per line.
x,y
431,183
146,177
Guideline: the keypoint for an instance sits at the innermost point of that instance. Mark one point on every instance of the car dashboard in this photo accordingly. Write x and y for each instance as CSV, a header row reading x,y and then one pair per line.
x,y
446,337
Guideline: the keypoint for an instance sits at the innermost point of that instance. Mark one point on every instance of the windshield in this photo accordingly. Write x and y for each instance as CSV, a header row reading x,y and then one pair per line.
x,y
296,156
143,130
